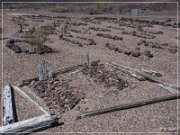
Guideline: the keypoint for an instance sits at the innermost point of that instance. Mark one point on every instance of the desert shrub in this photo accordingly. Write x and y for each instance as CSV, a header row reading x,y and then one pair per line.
x,y
37,37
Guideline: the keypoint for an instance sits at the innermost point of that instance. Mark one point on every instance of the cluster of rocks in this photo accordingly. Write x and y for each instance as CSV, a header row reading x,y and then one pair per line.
x,y
109,78
114,48
89,41
134,53
144,35
78,24
164,46
39,49
150,23
71,41
116,28
109,36
57,94
75,31
99,29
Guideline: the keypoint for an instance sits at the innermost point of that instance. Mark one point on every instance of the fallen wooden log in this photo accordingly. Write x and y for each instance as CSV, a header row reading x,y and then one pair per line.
x,y
61,71
141,75
128,106
8,110
29,126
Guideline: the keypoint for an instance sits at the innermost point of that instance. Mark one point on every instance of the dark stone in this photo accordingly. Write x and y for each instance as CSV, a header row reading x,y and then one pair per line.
x,y
119,50
11,45
135,53
60,102
121,84
41,49
61,36
74,100
92,42
41,87
148,54
173,50
66,95
127,52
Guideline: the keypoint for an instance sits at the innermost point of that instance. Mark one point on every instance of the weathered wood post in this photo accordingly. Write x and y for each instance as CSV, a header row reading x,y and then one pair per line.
x,y
8,113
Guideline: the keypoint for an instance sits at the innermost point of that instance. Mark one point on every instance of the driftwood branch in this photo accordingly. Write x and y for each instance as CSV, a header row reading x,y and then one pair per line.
x,y
141,75
61,71
28,126
128,106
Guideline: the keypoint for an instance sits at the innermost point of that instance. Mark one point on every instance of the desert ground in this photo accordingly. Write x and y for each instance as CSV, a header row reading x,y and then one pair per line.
x,y
138,42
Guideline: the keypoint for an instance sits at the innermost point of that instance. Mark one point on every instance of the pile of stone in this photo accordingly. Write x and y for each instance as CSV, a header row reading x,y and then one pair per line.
x,y
144,35
101,75
58,95
109,36
164,46
99,29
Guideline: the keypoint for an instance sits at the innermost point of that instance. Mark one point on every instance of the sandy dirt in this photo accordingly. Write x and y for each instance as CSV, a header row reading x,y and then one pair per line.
x,y
151,118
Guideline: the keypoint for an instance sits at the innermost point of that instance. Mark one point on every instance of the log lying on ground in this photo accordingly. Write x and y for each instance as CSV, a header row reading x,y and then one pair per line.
x,y
61,71
141,75
29,126
8,110
128,106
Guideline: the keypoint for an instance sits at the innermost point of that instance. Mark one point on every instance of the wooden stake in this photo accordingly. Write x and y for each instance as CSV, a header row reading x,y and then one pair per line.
x,y
128,106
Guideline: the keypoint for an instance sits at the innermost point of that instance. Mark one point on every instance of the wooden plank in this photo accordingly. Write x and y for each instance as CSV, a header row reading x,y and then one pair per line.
x,y
31,98
61,71
29,126
128,106
8,112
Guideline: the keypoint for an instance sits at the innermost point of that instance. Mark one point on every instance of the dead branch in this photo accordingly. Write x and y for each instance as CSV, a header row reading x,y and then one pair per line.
x,y
128,106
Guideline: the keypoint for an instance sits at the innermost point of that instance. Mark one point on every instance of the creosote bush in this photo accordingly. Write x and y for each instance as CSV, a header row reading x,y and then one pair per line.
x,y
37,37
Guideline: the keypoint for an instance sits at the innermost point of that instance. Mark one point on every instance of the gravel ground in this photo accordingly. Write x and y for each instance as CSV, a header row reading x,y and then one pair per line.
x,y
143,119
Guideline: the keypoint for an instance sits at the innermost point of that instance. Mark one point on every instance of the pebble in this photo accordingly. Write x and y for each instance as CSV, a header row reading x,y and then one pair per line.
x,y
135,53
